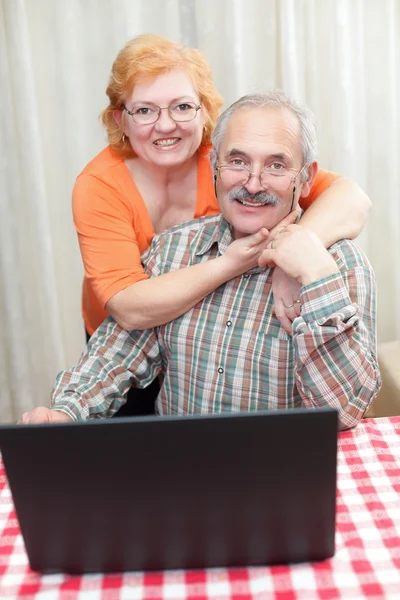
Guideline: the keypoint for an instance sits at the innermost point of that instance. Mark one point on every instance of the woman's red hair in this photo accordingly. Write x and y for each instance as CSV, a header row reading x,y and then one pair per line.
x,y
150,55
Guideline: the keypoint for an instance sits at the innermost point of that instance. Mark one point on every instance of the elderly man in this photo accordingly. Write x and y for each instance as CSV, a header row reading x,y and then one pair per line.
x,y
229,352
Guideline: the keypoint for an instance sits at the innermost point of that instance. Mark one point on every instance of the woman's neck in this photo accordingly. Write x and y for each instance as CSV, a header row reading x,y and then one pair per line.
x,y
169,193
163,176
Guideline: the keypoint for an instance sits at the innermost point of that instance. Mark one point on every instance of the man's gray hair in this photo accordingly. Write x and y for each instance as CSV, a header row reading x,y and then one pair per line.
x,y
277,99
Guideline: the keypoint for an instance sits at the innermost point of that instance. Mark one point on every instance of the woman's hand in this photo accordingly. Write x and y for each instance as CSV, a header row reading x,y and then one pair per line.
x,y
44,415
244,253
286,293
163,298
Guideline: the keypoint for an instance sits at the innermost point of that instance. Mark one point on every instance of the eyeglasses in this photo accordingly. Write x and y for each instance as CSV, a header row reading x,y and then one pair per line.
x,y
279,180
146,114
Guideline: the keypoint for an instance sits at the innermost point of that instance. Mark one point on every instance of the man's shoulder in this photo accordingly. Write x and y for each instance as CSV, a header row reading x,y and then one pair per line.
x,y
176,247
348,255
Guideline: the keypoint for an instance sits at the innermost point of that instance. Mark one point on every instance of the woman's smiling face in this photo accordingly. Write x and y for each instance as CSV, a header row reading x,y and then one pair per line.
x,y
166,142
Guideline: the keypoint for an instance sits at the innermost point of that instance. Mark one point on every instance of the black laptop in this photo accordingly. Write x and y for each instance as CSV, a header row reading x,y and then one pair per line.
x,y
175,492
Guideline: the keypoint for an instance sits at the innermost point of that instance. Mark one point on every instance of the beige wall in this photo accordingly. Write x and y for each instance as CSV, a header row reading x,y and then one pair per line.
x,y
388,401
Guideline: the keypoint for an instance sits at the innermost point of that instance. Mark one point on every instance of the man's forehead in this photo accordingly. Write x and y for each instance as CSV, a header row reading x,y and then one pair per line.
x,y
255,126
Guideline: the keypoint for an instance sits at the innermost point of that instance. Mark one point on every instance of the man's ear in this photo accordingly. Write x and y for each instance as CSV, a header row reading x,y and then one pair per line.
x,y
306,187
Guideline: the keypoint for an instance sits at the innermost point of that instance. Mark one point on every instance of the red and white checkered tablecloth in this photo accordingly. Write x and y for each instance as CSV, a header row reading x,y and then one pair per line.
x,y
366,563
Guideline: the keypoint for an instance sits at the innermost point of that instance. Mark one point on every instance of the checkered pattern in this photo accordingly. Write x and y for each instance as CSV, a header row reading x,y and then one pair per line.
x,y
229,352
366,563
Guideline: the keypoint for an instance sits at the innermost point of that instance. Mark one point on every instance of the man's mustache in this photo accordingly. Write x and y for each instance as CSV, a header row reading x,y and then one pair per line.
x,y
241,193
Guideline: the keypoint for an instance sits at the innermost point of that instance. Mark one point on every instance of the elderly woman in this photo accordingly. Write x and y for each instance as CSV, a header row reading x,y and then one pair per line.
x,y
155,174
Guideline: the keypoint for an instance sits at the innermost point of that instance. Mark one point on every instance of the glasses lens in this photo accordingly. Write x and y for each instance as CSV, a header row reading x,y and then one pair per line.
x,y
184,111
275,181
232,177
145,114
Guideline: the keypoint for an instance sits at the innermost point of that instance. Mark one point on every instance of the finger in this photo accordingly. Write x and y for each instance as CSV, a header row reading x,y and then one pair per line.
x,y
255,240
260,236
288,220
290,313
297,308
27,418
284,321
266,258
275,232
286,313
37,415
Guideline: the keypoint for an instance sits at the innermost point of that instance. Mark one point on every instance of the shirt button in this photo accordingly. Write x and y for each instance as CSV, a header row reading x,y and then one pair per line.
x,y
246,275
228,323
220,370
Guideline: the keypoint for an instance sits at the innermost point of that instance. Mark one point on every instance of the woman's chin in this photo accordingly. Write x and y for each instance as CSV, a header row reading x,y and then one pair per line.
x,y
170,158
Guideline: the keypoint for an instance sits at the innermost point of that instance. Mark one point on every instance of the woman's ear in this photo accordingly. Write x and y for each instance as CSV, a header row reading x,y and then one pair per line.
x,y
307,185
117,114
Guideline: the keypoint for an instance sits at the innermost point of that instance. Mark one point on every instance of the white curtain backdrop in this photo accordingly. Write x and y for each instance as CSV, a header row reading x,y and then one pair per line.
x,y
340,57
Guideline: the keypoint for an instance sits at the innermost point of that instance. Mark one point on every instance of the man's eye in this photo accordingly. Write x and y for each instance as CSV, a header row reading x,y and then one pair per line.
x,y
237,162
277,167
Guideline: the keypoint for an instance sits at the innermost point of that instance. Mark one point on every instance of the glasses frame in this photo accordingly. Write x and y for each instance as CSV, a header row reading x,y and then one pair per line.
x,y
293,180
160,108
219,168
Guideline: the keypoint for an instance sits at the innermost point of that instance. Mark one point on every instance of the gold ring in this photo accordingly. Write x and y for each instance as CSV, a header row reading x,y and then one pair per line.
x,y
291,305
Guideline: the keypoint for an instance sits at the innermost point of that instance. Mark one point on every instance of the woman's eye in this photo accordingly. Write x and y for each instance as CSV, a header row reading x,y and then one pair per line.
x,y
182,107
143,110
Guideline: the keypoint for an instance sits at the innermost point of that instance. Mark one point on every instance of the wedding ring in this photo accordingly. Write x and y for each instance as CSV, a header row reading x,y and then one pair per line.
x,y
291,305
272,245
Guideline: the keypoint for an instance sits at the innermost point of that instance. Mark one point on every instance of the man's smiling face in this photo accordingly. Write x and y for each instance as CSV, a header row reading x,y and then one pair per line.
x,y
259,139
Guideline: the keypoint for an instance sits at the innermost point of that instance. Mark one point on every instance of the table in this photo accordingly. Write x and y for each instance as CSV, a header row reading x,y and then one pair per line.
x,y
366,563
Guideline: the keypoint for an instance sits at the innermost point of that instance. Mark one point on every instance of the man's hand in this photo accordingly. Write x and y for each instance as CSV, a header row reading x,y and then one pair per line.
x,y
244,253
44,415
300,253
286,291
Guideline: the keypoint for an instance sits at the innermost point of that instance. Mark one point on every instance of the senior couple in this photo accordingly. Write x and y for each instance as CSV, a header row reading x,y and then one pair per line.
x,y
229,352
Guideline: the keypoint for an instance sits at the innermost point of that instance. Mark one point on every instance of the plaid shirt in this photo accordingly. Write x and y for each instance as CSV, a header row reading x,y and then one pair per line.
x,y
229,352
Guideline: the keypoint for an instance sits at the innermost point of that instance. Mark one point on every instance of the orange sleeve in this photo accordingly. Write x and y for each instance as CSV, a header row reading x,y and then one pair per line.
x,y
322,181
107,237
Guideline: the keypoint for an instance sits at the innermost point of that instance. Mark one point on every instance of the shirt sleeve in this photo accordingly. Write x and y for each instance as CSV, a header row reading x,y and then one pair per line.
x,y
322,181
335,342
107,237
152,258
114,360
